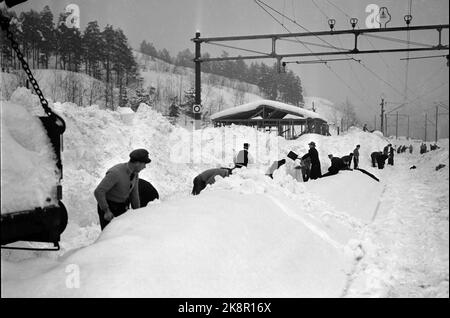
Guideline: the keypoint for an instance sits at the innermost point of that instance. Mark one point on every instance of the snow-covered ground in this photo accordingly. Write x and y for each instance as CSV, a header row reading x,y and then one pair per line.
x,y
246,235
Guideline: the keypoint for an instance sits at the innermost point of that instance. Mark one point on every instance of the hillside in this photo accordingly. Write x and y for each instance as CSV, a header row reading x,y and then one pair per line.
x,y
166,80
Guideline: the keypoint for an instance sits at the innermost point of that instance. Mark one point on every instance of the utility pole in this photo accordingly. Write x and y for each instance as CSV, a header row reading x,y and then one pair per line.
x,y
375,123
396,128
437,116
386,125
382,114
408,126
198,74
426,120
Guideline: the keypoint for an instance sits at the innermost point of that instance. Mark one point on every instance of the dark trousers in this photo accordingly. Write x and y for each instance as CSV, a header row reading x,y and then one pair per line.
x,y
116,209
391,161
355,162
305,174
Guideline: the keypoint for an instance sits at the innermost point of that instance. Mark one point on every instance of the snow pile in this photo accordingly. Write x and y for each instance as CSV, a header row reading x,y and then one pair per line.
x,y
220,244
29,174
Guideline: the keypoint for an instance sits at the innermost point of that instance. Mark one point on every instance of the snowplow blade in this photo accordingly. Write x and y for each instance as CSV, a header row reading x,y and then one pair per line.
x,y
38,225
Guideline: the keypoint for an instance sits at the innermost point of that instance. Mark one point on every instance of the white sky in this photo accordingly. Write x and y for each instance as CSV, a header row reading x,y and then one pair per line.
x,y
172,23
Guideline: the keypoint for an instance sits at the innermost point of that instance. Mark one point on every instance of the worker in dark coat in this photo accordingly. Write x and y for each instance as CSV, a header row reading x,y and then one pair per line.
x,y
423,148
243,158
315,163
208,177
391,156
337,164
378,159
356,157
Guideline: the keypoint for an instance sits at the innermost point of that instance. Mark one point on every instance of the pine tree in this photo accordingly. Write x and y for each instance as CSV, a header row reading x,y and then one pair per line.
x,y
92,49
47,28
174,111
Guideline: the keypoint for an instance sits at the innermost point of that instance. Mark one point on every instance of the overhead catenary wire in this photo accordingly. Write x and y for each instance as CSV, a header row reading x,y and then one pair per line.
x,y
258,2
396,40
424,57
311,43
429,92
389,68
341,44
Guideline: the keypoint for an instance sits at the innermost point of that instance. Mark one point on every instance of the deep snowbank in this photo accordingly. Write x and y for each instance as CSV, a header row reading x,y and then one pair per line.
x,y
28,167
221,244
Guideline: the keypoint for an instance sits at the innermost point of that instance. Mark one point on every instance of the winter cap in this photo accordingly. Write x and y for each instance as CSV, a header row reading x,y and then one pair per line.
x,y
312,143
140,155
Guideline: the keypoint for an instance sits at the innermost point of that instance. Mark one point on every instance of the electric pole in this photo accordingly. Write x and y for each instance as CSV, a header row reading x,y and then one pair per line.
x,y
426,120
437,115
386,125
198,74
396,128
408,126
382,115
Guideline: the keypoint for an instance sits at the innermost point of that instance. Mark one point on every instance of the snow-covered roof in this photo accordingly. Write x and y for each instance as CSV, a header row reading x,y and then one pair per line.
x,y
248,111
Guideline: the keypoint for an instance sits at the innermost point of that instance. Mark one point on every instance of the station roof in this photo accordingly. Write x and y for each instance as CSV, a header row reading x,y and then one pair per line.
x,y
265,110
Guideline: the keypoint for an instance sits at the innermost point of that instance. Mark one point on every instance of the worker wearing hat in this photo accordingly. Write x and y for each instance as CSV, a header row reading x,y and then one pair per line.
x,y
243,158
119,187
315,162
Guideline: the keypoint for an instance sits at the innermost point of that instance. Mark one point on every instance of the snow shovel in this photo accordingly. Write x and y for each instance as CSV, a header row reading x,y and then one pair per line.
x,y
292,155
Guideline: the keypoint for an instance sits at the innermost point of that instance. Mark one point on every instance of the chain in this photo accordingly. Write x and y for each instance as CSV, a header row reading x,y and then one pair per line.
x,y
4,23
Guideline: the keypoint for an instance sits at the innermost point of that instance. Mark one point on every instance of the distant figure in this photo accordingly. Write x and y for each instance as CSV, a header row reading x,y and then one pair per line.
x,y
365,127
347,160
313,155
356,157
404,148
147,192
243,158
208,177
378,159
434,147
423,148
336,165
275,165
399,149
410,148
391,156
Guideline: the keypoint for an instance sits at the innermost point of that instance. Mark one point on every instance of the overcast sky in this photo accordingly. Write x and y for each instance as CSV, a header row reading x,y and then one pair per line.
x,y
171,24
